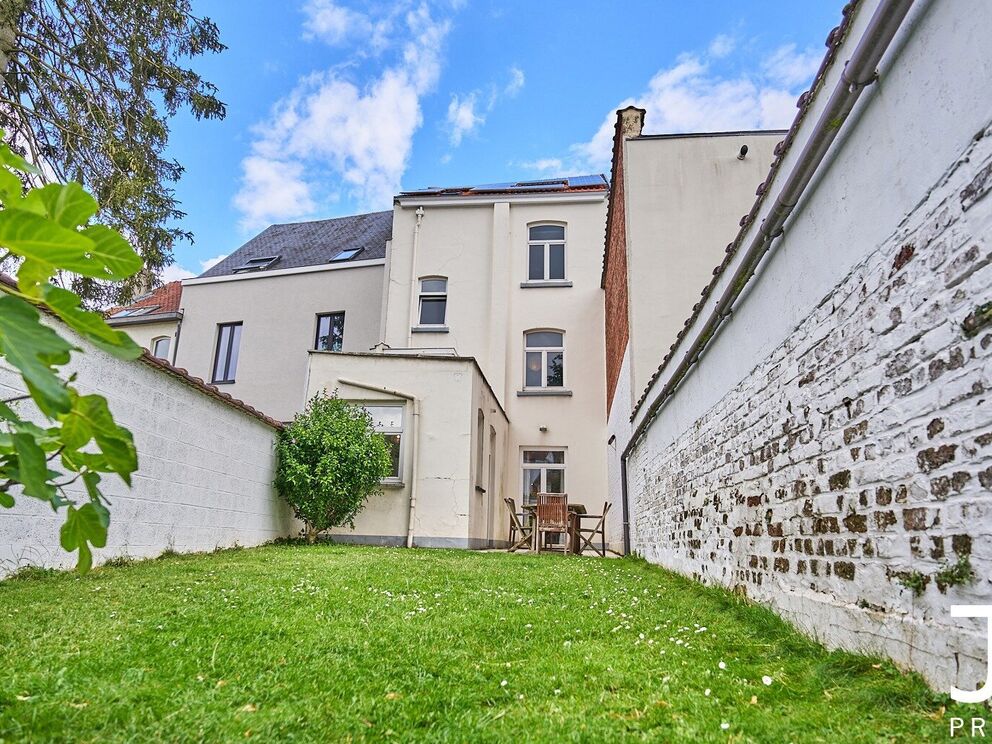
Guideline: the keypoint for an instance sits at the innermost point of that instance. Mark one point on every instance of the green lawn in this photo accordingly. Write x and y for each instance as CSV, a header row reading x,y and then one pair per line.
x,y
332,643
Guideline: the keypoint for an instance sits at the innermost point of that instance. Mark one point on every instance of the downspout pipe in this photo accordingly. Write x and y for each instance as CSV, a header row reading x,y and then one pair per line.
x,y
414,448
859,72
414,291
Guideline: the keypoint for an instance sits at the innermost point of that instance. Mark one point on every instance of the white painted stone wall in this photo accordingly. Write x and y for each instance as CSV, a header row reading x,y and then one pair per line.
x,y
618,431
835,439
204,479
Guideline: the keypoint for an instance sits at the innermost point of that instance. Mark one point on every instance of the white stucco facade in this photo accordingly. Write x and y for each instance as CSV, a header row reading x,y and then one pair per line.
x,y
278,312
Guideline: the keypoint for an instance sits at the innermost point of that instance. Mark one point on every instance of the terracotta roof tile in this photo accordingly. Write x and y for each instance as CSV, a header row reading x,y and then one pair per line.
x,y
166,299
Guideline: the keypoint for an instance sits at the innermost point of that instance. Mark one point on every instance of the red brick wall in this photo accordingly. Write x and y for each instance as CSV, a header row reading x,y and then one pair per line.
x,y
615,276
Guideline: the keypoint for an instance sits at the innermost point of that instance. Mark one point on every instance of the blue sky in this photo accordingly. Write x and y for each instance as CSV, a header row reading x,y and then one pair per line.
x,y
335,105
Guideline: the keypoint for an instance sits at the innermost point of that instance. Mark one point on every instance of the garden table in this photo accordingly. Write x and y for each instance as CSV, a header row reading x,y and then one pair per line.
x,y
573,534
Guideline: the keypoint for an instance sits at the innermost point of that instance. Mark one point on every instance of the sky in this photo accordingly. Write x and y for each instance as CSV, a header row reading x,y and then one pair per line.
x,y
333,106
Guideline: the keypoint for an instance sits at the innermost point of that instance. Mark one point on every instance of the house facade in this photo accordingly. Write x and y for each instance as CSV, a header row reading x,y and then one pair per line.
x,y
153,320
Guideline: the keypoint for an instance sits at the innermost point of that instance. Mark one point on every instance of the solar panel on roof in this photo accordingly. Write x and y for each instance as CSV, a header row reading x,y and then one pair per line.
x,y
580,181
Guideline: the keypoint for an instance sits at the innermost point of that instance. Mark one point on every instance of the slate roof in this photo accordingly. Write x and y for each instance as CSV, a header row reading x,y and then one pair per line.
x,y
566,185
315,243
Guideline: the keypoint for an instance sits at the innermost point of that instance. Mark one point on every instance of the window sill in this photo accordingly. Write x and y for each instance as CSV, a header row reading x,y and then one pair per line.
x,y
222,382
392,484
545,392
429,329
549,283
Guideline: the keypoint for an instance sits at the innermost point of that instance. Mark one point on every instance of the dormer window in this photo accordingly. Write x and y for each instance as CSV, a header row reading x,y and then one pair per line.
x,y
256,264
347,254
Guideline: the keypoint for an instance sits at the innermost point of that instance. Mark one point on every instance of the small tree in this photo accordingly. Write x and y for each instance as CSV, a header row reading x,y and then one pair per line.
x,y
330,461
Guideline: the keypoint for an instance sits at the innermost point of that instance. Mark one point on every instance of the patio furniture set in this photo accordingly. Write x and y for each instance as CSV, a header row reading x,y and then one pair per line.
x,y
551,514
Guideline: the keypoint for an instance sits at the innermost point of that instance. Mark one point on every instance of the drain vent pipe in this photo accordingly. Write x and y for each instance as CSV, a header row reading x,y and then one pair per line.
x,y
859,73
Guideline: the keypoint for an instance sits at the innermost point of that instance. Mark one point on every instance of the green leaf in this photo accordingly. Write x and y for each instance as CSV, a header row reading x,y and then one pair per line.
x,y
10,186
14,161
6,500
66,305
35,236
84,527
32,348
33,275
90,418
92,480
112,252
32,469
68,205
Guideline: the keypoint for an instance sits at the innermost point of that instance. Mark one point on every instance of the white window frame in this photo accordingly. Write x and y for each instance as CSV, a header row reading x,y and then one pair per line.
x,y
544,351
156,341
546,245
398,477
432,295
544,468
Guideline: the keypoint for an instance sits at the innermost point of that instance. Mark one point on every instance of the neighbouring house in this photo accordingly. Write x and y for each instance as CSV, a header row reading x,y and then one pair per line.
x,y
153,320
250,320
675,203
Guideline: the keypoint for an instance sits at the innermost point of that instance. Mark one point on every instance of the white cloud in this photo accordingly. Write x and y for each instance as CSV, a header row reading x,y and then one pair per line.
x,y
788,67
462,117
466,115
332,23
176,272
721,46
690,97
543,165
516,84
330,132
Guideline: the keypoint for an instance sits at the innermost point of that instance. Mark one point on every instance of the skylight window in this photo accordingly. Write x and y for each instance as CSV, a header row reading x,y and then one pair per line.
x,y
347,254
256,264
130,313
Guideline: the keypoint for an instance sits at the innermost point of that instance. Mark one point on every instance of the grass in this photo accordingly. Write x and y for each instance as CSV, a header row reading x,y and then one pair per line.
x,y
333,643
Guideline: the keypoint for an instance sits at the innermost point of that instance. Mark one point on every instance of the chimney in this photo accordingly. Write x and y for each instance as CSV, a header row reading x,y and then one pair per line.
x,y
630,121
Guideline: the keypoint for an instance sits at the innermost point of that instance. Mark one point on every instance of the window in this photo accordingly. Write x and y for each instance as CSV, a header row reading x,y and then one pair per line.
x,y
433,300
330,332
543,472
135,312
256,264
388,421
480,444
544,359
226,356
160,347
546,253
347,254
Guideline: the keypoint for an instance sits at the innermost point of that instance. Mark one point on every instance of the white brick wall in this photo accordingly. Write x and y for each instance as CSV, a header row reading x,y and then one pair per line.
x,y
857,452
204,479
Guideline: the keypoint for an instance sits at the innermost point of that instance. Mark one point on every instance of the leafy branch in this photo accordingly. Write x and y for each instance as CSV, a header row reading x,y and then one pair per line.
x,y
49,230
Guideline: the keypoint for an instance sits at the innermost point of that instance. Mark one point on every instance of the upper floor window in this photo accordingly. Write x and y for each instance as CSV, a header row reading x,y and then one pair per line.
x,y
160,347
226,355
347,254
546,253
433,300
544,359
330,332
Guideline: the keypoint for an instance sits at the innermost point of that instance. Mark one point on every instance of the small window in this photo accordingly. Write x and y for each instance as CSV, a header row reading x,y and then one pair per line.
x,y
160,347
256,264
546,253
433,301
347,255
226,356
330,332
543,472
388,421
544,359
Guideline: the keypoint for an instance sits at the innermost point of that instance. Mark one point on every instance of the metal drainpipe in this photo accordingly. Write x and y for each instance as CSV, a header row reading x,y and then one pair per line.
x,y
414,447
413,276
623,503
859,73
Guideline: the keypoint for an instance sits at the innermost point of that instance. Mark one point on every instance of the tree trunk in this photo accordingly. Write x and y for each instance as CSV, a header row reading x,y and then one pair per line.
x,y
311,535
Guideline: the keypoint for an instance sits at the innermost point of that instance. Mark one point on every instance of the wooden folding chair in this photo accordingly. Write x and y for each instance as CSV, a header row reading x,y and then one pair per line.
x,y
517,527
552,517
598,529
